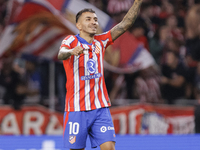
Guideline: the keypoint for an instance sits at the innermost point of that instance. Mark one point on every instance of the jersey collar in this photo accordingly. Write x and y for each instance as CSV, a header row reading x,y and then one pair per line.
x,y
82,40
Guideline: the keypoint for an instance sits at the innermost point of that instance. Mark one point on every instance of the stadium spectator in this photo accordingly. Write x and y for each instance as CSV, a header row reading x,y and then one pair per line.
x,y
167,9
147,86
158,42
33,82
193,32
173,78
149,13
172,23
192,46
31,77
11,81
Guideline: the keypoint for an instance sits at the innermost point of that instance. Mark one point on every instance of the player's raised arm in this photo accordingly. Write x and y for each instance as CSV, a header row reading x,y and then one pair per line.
x,y
127,21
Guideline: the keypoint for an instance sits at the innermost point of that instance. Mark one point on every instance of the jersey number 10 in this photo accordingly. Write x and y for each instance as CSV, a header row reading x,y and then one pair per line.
x,y
73,127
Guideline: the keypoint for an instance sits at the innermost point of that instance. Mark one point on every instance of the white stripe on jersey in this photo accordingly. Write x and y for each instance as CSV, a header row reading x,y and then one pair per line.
x,y
105,42
101,84
77,84
87,82
96,86
68,106
68,41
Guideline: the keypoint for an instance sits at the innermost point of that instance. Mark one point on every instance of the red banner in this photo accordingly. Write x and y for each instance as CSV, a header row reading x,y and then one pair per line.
x,y
134,119
153,119
30,120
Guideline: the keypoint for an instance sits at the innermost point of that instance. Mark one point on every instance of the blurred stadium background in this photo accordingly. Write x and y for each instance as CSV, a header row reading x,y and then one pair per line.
x,y
146,116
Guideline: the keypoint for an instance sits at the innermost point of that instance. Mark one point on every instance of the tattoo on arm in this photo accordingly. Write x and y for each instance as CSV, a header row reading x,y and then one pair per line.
x,y
64,54
127,21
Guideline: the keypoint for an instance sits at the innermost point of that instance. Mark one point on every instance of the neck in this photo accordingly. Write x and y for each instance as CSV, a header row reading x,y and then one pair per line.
x,y
88,37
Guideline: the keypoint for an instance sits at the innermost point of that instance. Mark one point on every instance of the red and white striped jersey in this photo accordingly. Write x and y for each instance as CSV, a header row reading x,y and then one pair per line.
x,y
86,89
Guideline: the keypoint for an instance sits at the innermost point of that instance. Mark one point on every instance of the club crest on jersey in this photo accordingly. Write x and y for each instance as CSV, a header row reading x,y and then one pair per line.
x,y
91,66
96,48
72,139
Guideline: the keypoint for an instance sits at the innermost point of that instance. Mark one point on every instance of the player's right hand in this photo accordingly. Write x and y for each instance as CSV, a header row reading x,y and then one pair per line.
x,y
77,50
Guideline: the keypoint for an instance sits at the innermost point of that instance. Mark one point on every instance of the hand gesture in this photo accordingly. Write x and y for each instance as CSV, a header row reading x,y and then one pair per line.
x,y
77,51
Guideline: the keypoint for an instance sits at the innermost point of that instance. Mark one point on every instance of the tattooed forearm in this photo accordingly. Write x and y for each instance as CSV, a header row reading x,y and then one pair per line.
x,y
132,14
127,21
63,54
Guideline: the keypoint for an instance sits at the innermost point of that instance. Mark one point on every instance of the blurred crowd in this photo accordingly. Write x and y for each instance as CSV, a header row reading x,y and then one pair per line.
x,y
168,29
3,8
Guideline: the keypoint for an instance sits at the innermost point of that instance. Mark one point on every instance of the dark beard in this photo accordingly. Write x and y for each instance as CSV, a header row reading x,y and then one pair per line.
x,y
92,34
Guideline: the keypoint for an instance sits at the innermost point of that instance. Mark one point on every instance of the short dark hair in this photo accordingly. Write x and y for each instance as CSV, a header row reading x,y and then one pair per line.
x,y
82,11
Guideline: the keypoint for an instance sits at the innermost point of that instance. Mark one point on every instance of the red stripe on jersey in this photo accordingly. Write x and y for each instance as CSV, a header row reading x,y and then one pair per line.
x,y
69,83
104,87
92,86
65,123
71,86
92,95
99,84
82,82
72,98
106,93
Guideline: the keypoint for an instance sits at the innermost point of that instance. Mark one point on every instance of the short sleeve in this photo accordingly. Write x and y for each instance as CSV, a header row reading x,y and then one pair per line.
x,y
105,38
67,41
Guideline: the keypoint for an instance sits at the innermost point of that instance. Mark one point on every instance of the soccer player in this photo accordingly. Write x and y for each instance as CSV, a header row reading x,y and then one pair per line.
x,y
87,101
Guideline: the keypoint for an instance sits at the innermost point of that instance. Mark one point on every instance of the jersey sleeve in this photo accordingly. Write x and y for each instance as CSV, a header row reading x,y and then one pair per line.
x,y
67,42
105,38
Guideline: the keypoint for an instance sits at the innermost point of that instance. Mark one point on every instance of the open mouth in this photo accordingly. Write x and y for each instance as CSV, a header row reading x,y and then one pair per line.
x,y
94,28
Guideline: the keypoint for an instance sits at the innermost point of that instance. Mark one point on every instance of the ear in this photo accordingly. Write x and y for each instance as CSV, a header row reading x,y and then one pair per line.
x,y
78,25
